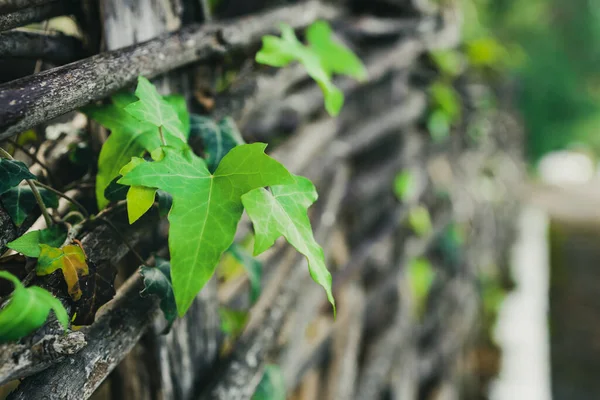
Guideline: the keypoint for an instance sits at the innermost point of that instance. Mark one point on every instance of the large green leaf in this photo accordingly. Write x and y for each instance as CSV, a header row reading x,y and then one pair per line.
x,y
283,212
279,52
12,172
206,207
157,281
27,310
153,109
218,137
20,201
335,57
29,244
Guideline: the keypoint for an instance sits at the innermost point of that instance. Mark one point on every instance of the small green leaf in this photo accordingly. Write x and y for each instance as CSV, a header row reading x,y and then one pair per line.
x,y
335,57
448,62
419,220
404,185
206,207
271,386
29,244
218,138
139,200
180,106
12,172
253,268
438,125
153,109
445,98
70,260
279,52
420,275
19,202
157,281
27,310
233,321
283,212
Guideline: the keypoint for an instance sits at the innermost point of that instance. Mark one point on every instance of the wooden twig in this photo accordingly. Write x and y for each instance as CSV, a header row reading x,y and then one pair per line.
x,y
13,5
30,101
26,16
54,47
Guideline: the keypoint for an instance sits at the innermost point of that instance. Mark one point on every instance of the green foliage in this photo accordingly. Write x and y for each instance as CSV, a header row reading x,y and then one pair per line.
x,y
322,58
420,275
450,63
233,321
12,172
130,136
19,202
27,310
419,220
29,244
218,137
157,281
447,100
253,268
438,125
206,207
272,385
70,260
283,212
404,185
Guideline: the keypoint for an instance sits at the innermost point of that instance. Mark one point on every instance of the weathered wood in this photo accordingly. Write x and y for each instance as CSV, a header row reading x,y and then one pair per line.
x,y
29,101
25,16
54,47
13,5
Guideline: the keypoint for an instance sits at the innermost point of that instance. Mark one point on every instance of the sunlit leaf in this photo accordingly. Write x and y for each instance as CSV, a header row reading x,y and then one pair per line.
x,y
70,260
27,310
404,185
420,275
419,220
29,244
206,207
283,212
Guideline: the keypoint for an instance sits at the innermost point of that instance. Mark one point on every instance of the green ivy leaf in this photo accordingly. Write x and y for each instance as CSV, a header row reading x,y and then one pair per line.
x,y
253,268
20,201
153,109
165,202
115,192
279,52
157,281
180,106
404,185
272,385
70,260
283,212
448,62
335,57
438,125
420,275
419,220
218,137
446,99
12,172
27,310
139,198
233,321
29,244
206,207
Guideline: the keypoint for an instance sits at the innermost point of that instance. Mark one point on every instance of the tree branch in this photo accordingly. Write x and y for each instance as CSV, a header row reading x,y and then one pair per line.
x,y
55,47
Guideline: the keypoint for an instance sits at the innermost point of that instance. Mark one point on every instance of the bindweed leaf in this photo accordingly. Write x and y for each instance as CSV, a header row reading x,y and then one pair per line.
x,y
27,310
283,212
218,137
206,207
29,244
157,281
97,288
12,172
70,260
19,202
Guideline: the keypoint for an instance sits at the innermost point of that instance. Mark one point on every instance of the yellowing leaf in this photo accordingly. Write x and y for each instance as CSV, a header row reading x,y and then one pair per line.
x,y
283,212
70,259
206,207
27,310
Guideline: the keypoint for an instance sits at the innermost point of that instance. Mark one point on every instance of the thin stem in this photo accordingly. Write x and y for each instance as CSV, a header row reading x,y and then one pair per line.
x,y
162,136
124,240
34,190
64,196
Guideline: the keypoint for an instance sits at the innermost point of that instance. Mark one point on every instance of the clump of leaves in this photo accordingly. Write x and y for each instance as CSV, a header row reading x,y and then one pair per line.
x,y
157,281
207,206
70,260
27,310
322,57
272,385
420,275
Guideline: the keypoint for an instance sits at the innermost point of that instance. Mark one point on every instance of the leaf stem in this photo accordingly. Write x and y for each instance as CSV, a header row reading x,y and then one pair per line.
x,y
34,190
162,136
64,196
